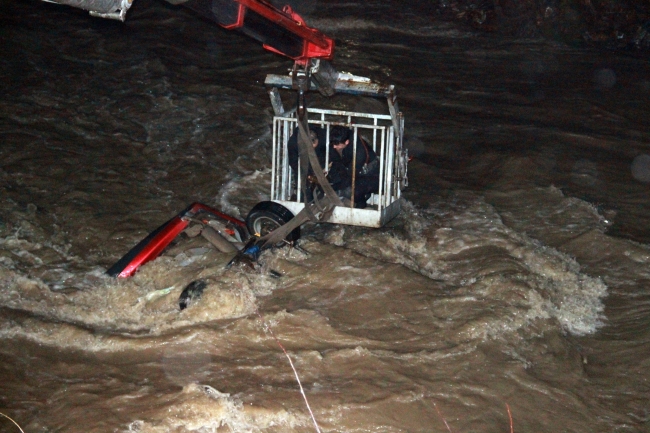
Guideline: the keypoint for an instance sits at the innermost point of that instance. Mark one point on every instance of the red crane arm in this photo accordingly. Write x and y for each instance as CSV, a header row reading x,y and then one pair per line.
x,y
280,31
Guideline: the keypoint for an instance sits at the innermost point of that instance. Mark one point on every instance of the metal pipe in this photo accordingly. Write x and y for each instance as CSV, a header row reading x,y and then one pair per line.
x,y
215,238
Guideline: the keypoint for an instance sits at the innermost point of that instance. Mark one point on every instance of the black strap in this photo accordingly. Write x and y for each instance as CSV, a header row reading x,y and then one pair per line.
x,y
316,210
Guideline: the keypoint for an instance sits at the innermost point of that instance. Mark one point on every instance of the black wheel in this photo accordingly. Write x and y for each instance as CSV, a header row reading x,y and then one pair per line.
x,y
267,216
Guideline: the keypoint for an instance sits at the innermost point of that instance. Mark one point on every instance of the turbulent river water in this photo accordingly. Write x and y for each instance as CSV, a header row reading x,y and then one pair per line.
x,y
515,280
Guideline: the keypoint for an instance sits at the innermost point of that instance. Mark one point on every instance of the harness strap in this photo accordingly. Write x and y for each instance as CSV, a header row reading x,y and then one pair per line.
x,y
317,209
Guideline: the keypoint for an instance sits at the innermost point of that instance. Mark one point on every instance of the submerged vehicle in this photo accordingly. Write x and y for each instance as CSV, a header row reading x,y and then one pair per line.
x,y
293,201
223,231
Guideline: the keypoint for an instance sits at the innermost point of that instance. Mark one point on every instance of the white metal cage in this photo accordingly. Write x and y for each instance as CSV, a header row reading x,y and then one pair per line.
x,y
385,134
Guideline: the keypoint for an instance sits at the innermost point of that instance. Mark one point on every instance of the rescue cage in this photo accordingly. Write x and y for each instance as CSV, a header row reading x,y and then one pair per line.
x,y
379,131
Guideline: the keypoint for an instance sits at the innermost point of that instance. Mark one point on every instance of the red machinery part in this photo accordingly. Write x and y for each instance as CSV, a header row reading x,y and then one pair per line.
x,y
150,247
280,31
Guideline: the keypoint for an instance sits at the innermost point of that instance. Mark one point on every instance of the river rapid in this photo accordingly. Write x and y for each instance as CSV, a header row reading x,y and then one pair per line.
x,y
511,292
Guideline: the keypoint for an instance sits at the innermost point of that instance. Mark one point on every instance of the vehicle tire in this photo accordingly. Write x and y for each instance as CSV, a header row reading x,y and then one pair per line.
x,y
267,216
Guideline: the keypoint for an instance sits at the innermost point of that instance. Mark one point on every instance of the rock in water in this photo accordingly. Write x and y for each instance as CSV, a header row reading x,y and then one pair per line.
x,y
191,293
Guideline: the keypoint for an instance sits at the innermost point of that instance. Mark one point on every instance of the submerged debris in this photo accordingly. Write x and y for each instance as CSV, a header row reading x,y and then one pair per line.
x,y
191,293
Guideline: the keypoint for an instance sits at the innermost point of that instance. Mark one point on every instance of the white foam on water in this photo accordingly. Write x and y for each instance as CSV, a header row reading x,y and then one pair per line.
x,y
510,277
239,195
204,409
146,304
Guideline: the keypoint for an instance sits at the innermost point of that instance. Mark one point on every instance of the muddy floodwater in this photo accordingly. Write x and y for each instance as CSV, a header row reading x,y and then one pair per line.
x,y
512,291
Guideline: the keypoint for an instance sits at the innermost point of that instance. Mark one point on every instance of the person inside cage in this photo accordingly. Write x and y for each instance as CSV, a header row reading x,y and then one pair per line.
x,y
317,135
366,166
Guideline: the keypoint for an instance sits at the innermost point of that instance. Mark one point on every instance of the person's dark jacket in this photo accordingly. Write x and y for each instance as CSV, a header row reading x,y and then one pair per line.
x,y
365,157
367,172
